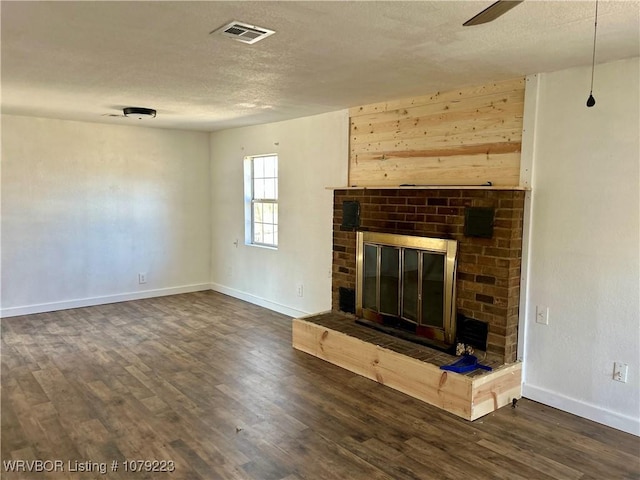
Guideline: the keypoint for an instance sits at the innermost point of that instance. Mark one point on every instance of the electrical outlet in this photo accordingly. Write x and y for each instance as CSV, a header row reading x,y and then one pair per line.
x,y
542,315
142,278
620,371
300,291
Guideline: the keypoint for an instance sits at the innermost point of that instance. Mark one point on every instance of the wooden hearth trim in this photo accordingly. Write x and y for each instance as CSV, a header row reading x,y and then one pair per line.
x,y
469,397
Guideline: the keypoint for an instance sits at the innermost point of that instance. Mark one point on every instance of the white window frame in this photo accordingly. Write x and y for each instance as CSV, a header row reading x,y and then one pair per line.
x,y
251,200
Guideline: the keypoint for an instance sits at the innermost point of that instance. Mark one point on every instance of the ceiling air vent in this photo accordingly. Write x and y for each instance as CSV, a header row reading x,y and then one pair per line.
x,y
243,32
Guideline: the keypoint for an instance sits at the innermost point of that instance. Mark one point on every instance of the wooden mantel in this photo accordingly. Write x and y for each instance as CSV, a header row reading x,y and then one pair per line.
x,y
432,187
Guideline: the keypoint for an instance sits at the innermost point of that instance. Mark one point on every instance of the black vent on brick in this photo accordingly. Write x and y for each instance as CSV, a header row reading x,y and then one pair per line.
x,y
478,222
350,215
347,300
472,332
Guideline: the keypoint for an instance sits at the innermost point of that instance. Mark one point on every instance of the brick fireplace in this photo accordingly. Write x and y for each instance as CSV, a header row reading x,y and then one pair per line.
x,y
488,276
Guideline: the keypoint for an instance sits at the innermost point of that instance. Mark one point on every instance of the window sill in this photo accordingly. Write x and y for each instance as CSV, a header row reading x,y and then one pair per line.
x,y
257,245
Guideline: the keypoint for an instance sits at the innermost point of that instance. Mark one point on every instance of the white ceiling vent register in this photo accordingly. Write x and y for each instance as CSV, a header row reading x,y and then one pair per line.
x,y
243,32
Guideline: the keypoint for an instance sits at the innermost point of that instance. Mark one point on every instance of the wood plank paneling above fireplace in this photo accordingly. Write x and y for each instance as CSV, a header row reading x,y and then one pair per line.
x,y
462,137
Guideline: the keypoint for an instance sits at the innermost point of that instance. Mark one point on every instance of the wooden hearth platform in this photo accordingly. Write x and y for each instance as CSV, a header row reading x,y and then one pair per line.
x,y
407,367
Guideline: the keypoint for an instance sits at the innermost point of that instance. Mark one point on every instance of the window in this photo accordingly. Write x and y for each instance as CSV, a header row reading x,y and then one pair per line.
x,y
261,200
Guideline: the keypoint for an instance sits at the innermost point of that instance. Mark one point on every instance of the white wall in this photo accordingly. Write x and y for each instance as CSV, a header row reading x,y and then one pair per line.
x,y
584,245
87,206
312,156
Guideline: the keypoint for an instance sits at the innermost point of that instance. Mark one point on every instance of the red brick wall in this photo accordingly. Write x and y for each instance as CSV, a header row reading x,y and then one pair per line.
x,y
488,282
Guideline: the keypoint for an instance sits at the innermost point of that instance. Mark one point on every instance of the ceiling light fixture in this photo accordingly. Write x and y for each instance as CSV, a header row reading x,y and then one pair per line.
x,y
139,112
592,101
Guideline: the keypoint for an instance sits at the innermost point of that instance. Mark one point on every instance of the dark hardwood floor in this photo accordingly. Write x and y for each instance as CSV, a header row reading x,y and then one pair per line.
x,y
212,384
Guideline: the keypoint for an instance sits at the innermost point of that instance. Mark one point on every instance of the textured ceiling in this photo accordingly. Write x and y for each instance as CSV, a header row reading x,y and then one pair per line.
x,y
88,60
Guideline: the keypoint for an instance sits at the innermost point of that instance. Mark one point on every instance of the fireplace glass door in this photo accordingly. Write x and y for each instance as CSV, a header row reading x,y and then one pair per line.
x,y
408,284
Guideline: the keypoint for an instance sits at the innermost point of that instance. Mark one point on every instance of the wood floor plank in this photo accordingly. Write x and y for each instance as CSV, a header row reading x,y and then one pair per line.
x,y
213,384
541,463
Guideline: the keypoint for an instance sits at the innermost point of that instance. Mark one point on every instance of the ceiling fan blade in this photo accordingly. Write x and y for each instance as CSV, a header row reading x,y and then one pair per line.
x,y
492,12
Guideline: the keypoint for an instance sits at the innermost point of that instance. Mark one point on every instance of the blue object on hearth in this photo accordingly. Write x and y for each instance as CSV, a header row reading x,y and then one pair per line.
x,y
467,363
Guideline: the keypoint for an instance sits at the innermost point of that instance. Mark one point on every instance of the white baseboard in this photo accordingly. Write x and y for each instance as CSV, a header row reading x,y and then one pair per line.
x,y
90,302
582,409
262,302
